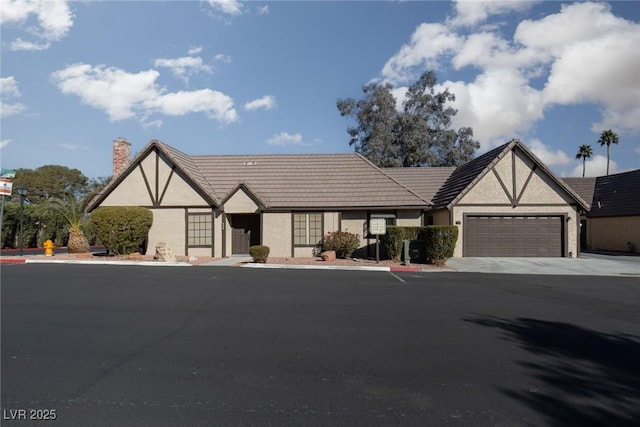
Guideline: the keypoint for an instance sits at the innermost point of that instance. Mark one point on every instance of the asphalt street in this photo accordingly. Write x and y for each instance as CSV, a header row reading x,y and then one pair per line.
x,y
142,346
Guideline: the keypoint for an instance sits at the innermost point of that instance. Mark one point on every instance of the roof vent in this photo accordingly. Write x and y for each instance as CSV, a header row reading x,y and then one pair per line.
x,y
249,163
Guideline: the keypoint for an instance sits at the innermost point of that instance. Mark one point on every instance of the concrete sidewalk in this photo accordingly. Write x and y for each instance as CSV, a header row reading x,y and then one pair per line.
x,y
586,266
547,266
230,261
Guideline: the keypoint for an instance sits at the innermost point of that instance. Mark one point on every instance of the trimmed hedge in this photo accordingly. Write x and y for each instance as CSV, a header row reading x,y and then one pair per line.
x,y
392,241
121,229
343,242
440,243
259,253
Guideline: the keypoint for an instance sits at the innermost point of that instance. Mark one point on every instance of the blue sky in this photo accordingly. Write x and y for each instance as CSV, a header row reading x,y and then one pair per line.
x,y
228,77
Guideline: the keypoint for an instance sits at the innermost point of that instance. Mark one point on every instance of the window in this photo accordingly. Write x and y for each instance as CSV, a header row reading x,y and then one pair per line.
x,y
307,229
199,230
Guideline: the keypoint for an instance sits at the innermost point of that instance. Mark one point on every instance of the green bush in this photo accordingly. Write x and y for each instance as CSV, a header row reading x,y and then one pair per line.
x,y
121,229
259,253
343,242
392,241
440,242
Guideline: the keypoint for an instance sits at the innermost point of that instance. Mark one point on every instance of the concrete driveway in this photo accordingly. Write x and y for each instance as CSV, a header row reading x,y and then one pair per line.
x,y
587,265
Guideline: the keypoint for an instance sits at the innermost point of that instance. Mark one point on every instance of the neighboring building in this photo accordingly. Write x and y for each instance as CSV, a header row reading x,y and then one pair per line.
x,y
505,202
584,187
613,220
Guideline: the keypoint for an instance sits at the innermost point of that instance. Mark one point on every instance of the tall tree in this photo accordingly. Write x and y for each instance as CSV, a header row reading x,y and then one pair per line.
x,y
607,138
584,152
51,182
417,134
376,114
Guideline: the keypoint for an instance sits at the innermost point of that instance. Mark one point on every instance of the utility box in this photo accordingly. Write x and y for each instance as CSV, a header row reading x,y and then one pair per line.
x,y
413,251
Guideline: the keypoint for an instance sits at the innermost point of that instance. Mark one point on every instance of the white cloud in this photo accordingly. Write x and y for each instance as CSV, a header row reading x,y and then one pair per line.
x,y
284,138
596,61
429,43
54,21
547,155
264,10
152,124
12,109
70,147
124,95
8,91
4,143
221,57
19,44
636,150
595,166
472,12
9,87
194,50
582,55
266,102
184,66
229,7
498,105
214,104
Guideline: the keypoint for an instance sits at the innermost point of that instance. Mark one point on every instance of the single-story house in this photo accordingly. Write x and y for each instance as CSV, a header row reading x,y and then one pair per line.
x,y
505,202
613,221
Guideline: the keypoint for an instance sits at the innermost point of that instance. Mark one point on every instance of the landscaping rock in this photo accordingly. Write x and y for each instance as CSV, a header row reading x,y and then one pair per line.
x,y
328,255
164,253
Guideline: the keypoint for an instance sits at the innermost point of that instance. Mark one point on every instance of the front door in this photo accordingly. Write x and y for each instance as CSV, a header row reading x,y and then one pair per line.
x,y
245,232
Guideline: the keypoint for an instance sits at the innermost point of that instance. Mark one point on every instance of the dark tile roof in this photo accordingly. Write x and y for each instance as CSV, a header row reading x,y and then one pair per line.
x,y
287,181
616,195
307,180
424,181
583,186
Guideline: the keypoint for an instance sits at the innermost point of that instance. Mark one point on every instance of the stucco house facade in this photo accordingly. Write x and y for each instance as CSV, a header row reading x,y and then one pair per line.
x,y
220,205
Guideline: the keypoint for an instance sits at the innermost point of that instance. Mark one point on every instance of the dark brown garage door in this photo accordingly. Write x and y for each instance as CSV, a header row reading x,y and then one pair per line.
x,y
513,236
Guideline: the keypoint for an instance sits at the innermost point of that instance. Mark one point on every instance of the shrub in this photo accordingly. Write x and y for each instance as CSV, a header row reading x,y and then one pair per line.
x,y
259,253
392,241
121,229
343,242
440,242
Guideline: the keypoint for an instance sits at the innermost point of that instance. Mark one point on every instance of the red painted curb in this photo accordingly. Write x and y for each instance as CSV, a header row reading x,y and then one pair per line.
x,y
12,260
405,268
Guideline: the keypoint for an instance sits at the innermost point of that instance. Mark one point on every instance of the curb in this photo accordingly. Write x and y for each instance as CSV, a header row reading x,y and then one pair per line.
x,y
392,269
316,267
404,269
87,262
12,260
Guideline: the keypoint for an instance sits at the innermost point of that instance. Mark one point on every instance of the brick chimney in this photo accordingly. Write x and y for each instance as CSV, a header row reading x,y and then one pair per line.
x,y
121,155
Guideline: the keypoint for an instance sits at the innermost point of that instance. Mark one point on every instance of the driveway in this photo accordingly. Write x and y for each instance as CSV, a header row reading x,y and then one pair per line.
x,y
587,265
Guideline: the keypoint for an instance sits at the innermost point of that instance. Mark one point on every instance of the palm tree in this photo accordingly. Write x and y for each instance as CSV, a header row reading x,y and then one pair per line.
x,y
584,153
607,138
73,213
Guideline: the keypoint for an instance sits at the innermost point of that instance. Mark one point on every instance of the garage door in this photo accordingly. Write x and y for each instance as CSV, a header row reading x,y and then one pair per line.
x,y
513,236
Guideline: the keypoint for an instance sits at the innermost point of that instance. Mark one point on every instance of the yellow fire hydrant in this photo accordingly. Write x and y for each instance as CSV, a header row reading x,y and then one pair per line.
x,y
48,248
